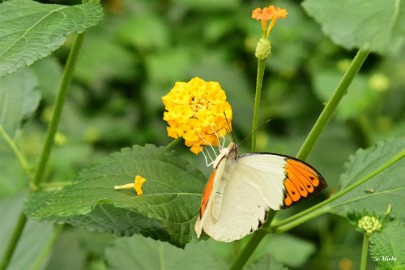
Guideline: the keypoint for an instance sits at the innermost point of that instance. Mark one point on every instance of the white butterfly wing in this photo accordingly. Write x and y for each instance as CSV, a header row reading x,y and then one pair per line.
x,y
254,186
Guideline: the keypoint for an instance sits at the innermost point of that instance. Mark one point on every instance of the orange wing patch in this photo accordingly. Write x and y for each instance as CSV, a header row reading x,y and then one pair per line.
x,y
207,193
302,181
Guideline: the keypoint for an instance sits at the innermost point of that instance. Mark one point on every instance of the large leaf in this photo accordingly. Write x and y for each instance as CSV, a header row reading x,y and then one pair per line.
x,y
18,99
140,253
384,189
278,244
265,262
105,218
170,202
30,30
379,24
387,247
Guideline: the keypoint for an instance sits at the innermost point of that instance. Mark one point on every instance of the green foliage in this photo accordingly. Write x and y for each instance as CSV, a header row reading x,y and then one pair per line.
x,y
362,96
378,25
17,105
385,189
266,262
31,30
35,235
167,211
127,63
142,253
387,247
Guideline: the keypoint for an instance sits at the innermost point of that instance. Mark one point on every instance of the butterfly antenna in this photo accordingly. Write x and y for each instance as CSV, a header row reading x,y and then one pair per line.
x,y
230,129
254,131
221,146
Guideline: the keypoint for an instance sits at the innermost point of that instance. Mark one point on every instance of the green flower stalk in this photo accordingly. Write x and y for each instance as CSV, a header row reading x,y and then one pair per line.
x,y
263,51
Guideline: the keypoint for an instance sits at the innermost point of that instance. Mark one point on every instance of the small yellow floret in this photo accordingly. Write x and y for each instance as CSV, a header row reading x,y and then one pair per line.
x,y
137,185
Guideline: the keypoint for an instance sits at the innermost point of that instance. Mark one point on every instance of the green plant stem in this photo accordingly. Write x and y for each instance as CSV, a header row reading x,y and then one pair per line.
x,y
260,234
19,228
251,246
364,252
332,104
49,141
173,143
259,83
57,111
320,208
307,146
21,158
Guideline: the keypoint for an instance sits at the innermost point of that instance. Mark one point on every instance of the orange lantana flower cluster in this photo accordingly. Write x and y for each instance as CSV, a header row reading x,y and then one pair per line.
x,y
266,14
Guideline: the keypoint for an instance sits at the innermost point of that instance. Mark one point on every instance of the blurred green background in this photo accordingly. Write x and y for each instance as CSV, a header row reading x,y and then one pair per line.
x,y
141,48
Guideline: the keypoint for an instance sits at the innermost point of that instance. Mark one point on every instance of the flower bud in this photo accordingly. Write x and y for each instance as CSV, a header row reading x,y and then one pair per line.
x,y
369,224
263,49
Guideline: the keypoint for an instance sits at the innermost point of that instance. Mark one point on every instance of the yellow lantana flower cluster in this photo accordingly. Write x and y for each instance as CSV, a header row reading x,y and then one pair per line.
x,y
198,112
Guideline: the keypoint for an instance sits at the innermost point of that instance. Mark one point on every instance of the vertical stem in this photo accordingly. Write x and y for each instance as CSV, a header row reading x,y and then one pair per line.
x,y
57,111
259,84
332,104
19,228
364,252
50,136
307,146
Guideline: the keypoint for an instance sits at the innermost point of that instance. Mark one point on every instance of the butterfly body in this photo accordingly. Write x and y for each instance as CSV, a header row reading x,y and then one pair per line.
x,y
242,189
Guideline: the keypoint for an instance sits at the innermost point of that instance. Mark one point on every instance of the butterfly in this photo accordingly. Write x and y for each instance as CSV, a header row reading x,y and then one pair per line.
x,y
242,189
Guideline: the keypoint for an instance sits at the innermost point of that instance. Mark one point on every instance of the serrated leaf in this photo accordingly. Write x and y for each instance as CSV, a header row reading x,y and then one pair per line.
x,y
18,99
30,30
106,218
379,24
387,248
141,253
384,189
172,194
266,262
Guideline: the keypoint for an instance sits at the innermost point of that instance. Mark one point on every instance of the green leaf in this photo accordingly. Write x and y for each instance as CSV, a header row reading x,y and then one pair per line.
x,y
380,25
170,203
210,5
49,74
18,99
387,248
30,30
155,35
141,253
34,238
384,189
359,99
266,262
12,179
277,244
118,63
